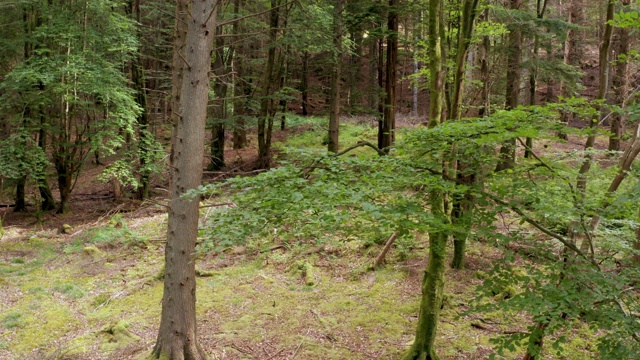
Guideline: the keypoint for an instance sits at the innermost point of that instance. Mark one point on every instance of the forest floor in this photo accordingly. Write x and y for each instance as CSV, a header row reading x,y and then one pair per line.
x,y
94,292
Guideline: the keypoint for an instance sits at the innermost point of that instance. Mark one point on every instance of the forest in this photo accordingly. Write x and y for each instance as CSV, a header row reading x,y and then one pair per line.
x,y
319,179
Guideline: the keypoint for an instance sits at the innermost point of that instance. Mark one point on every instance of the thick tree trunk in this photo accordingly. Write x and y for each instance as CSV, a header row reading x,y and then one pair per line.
x,y
48,203
65,183
388,128
195,25
334,107
20,204
508,149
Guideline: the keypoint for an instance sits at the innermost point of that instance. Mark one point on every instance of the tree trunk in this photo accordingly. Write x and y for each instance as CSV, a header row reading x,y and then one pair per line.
x,y
20,204
334,107
603,86
145,138
65,184
573,54
304,87
195,25
541,6
462,204
381,94
620,84
423,347
265,118
485,75
508,149
388,128
221,68
48,203
242,88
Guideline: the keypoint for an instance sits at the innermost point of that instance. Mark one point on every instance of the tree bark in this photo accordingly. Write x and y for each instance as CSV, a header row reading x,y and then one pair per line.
x,y
195,25
242,88
334,107
388,128
508,149
462,205
265,118
145,154
423,347
620,83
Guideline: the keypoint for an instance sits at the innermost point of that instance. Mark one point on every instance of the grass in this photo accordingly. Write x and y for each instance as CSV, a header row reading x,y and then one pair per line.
x,y
253,304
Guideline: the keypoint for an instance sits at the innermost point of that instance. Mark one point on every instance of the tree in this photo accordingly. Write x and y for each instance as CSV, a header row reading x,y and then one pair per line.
x,y
514,53
433,280
195,26
620,82
387,130
334,107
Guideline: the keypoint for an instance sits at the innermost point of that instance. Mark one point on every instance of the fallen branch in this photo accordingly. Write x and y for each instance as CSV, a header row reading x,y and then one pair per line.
x,y
384,251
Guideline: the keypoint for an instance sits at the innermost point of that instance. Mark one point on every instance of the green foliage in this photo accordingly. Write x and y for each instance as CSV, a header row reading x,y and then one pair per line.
x,y
315,197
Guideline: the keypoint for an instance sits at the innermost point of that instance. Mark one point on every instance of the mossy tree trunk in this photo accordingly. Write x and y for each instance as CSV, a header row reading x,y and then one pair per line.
x,y
423,347
195,26
462,203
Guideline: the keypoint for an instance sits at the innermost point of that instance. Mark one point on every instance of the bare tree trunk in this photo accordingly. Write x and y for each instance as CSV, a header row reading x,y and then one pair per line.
x,y
620,84
195,26
145,137
485,76
304,84
241,88
508,149
388,129
265,118
334,107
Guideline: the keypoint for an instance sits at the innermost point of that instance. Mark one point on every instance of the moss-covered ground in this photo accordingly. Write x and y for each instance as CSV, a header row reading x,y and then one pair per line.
x,y
96,294
73,297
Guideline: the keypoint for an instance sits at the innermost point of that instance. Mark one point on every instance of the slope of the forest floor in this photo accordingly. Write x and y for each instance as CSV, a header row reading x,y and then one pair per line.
x,y
95,292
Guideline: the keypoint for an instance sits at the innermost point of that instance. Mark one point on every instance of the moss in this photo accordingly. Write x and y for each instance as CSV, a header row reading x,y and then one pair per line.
x,y
117,335
70,290
100,300
92,253
12,320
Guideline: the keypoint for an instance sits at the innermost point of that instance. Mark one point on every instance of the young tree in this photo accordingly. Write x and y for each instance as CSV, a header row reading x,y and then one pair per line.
x,y
195,26
433,280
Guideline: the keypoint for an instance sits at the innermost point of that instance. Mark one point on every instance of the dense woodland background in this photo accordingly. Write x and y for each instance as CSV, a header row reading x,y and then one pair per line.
x,y
492,141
